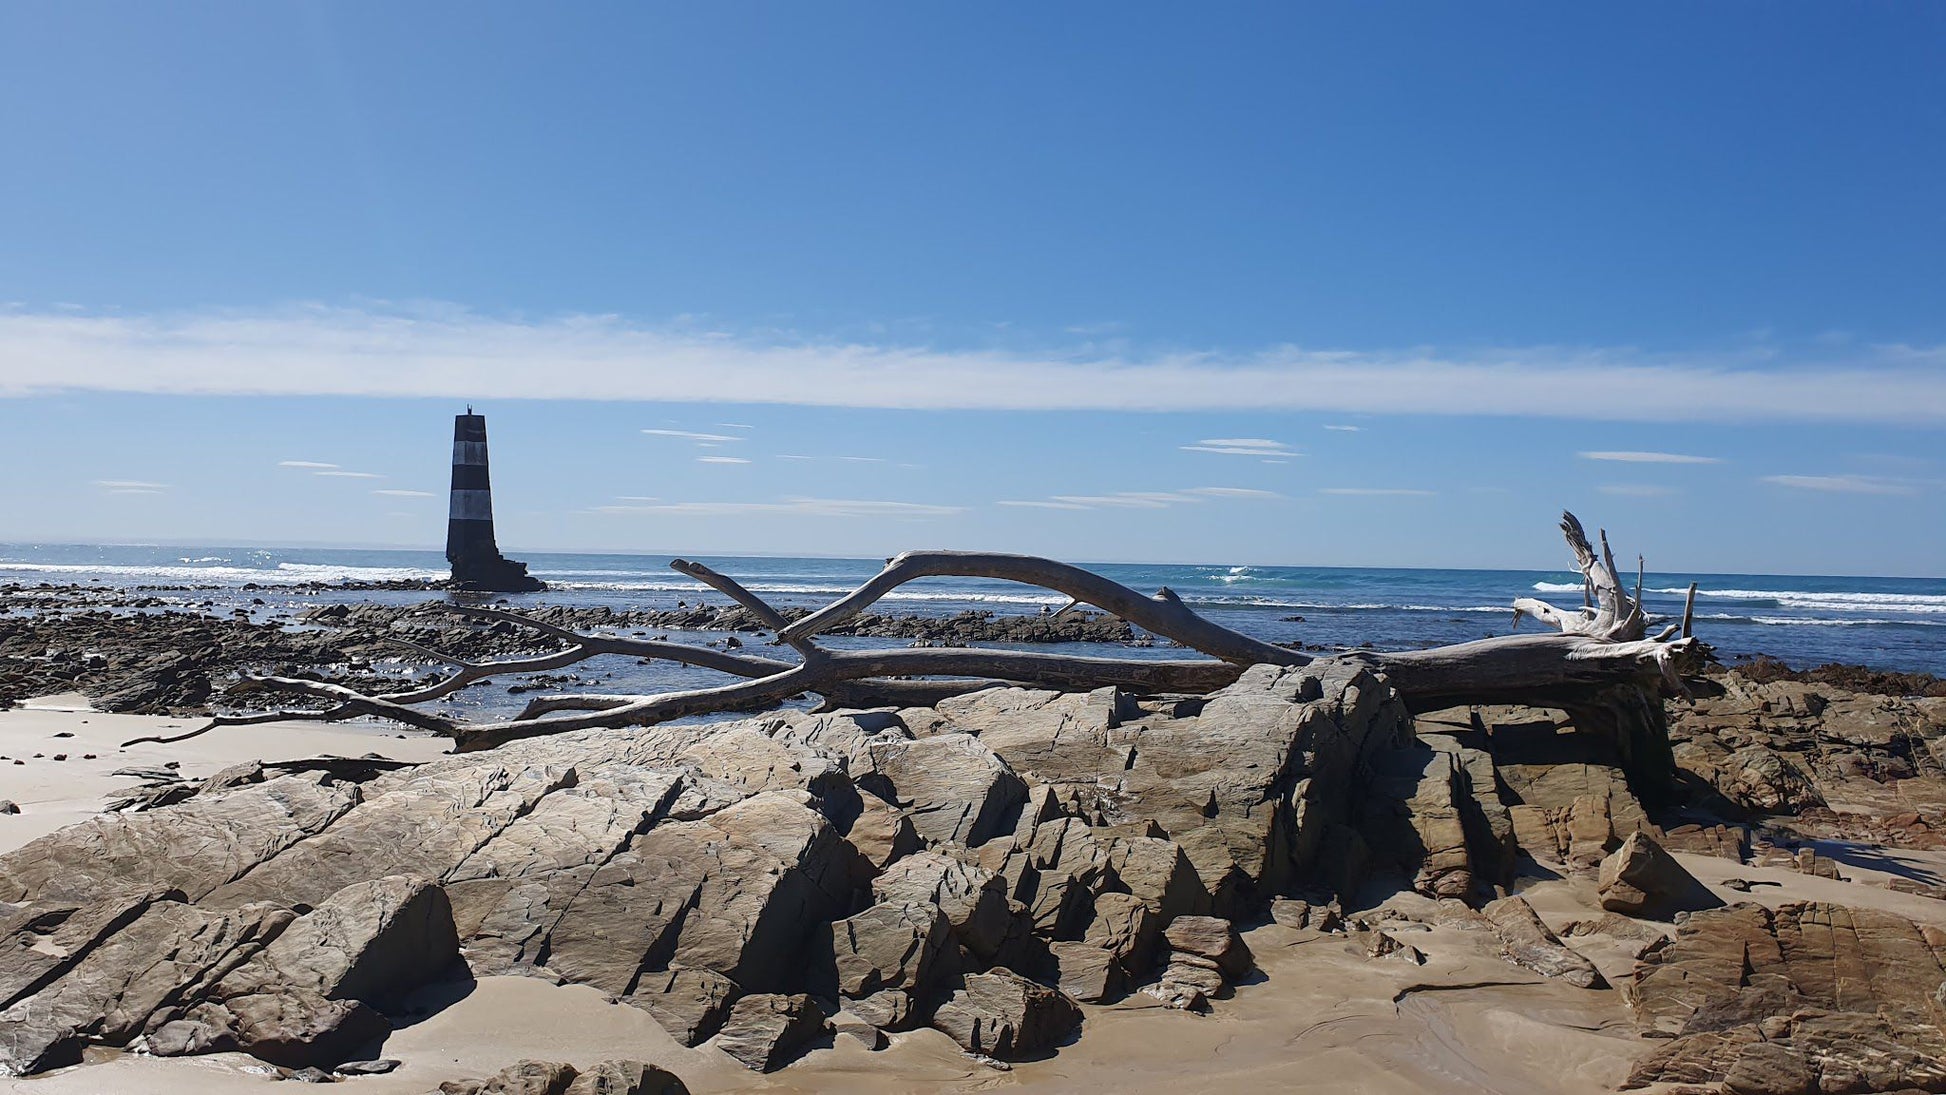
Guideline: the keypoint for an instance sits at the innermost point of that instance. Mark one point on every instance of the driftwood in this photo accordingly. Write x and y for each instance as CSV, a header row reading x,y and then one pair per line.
x,y
1599,662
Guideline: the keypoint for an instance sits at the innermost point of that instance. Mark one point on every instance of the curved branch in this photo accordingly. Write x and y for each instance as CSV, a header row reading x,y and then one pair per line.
x,y
1163,614
331,714
741,665
350,702
758,607
639,710
468,672
987,667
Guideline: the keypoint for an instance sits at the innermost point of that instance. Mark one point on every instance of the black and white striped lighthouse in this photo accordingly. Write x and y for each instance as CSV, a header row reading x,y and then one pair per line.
x,y
470,547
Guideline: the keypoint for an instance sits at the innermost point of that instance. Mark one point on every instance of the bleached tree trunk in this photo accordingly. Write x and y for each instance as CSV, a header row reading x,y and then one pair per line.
x,y
1599,663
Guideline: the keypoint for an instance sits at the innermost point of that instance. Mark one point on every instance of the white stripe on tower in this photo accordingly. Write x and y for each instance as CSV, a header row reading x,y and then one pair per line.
x,y
471,453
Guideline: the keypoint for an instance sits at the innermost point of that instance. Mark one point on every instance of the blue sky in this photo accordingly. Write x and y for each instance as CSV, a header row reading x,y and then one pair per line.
x,y
1006,276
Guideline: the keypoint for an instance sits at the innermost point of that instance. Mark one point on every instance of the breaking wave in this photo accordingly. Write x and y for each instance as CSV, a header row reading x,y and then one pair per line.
x,y
282,574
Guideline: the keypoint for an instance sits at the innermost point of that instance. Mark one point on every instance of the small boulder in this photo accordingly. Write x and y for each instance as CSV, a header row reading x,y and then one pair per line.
x,y
1089,972
690,1004
293,1028
626,1078
888,947
765,1030
888,1010
1003,1015
1213,938
520,1078
1188,982
1640,879
1386,945
848,1025
973,899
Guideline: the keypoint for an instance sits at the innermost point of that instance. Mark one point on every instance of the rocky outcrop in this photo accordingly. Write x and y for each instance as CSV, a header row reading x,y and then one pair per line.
x,y
1770,744
1813,997
951,874
978,866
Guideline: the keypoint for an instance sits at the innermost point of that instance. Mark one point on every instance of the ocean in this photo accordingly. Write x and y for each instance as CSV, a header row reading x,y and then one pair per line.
x,y
1888,623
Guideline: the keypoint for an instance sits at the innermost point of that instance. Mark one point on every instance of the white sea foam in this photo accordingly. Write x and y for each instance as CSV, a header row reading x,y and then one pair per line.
x,y
1817,621
283,574
1832,601
1927,603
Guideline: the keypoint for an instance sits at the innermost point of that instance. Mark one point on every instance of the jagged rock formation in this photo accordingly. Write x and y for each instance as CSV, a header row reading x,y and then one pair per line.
x,y
739,882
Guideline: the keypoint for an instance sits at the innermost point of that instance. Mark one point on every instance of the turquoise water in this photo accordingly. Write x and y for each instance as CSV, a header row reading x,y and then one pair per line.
x,y
1893,623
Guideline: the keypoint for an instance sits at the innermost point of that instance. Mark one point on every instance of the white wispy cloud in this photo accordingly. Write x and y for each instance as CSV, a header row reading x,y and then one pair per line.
x,y
721,460
1636,490
394,493
1649,457
1841,484
1111,501
1233,492
692,435
1143,499
1345,429
801,507
349,474
1378,492
305,464
130,486
1241,446
316,350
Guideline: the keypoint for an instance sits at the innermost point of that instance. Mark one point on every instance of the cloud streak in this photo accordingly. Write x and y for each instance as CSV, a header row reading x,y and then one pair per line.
x,y
448,352
1840,484
1142,499
1242,446
1649,458
692,435
791,507
130,486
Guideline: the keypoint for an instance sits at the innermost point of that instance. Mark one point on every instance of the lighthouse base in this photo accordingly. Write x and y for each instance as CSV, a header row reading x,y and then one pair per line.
x,y
481,572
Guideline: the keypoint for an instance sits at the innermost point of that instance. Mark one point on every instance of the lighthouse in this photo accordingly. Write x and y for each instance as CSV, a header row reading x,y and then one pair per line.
x,y
470,547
